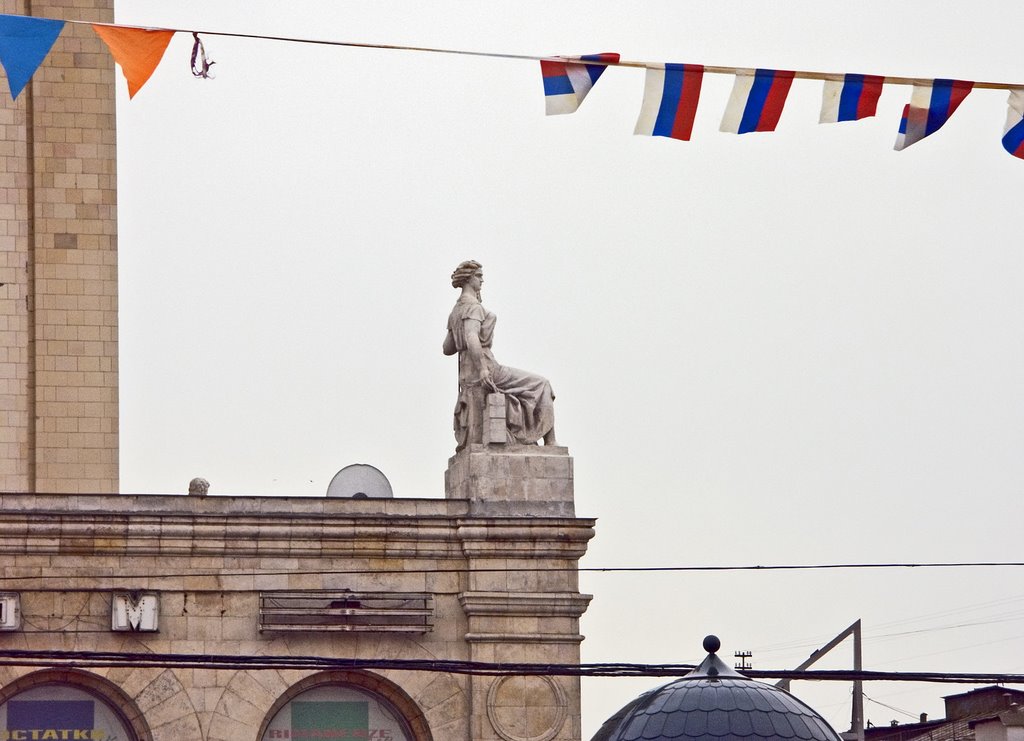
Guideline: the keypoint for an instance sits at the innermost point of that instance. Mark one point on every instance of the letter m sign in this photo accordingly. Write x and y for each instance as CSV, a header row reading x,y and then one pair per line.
x,y
135,611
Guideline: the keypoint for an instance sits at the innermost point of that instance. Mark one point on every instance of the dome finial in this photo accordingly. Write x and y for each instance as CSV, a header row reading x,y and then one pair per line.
x,y
712,644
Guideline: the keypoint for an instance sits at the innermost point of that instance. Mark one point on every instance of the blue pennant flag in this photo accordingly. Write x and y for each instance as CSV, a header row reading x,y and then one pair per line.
x,y
24,44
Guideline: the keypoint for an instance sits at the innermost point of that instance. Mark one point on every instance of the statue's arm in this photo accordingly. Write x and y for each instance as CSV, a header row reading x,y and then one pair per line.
x,y
449,344
475,350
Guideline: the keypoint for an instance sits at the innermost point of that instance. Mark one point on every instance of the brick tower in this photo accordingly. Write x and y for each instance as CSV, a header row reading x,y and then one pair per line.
x,y
58,264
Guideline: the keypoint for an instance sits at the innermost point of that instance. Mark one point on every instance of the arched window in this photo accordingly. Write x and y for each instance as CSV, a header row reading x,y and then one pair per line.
x,y
54,710
337,711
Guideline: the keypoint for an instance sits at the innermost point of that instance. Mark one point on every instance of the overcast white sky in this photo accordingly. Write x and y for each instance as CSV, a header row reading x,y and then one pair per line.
x,y
796,347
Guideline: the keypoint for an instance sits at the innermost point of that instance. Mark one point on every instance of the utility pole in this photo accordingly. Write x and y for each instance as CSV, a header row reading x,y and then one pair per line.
x,y
856,732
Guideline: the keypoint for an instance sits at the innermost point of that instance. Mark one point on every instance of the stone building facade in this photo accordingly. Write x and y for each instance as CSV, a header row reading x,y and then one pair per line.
x,y
58,264
185,596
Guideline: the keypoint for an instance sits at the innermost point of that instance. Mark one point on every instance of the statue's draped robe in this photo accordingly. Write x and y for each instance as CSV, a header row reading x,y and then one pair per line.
x,y
529,400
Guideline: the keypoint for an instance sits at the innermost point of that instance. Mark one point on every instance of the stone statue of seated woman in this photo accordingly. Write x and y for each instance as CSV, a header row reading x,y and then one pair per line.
x,y
529,400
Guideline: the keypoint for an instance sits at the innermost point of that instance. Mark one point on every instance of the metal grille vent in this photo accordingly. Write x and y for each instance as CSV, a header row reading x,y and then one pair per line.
x,y
391,612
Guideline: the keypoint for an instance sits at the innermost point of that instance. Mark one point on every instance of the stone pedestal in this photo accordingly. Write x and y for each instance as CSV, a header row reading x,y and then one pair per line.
x,y
521,600
512,480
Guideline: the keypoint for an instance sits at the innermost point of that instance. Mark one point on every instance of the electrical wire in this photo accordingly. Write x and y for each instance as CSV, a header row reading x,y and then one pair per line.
x,y
882,636
121,577
890,707
961,609
793,645
108,659
876,638
954,649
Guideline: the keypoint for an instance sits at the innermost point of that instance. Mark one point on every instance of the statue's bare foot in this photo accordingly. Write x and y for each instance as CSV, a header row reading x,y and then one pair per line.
x,y
549,438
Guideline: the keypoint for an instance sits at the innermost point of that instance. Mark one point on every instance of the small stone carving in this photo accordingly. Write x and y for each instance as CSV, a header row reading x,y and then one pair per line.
x,y
526,708
198,487
529,400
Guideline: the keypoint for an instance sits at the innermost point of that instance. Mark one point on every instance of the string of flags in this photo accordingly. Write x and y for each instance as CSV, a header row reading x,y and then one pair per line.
x,y
671,91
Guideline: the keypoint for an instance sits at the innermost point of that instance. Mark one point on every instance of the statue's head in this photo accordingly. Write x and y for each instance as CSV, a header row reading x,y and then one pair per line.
x,y
198,487
464,272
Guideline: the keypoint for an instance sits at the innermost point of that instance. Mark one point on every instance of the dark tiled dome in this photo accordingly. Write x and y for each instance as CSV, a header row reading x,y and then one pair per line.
x,y
715,703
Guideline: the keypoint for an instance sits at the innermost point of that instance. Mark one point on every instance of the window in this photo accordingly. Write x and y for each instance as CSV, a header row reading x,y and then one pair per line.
x,y
55,711
337,711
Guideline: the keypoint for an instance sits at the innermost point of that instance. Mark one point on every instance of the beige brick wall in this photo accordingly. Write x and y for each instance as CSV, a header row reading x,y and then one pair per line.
x,y
15,337
58,307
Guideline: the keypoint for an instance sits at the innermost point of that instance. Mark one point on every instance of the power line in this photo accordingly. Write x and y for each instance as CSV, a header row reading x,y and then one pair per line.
x,y
122,577
890,707
820,566
955,649
1012,618
803,643
973,607
276,662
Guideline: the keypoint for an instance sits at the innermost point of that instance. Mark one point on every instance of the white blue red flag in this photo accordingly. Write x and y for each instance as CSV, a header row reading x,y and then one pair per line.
x,y
930,106
850,99
1013,133
671,94
567,83
756,101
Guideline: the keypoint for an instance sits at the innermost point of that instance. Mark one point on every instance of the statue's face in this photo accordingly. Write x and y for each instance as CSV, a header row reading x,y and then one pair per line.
x,y
476,281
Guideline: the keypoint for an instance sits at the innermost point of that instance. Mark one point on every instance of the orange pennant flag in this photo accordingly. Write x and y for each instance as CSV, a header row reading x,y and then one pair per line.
x,y
137,50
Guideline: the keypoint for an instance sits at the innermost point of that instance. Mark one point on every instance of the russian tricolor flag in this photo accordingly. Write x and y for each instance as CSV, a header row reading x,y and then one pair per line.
x,y
1013,133
850,99
566,84
930,106
756,101
671,93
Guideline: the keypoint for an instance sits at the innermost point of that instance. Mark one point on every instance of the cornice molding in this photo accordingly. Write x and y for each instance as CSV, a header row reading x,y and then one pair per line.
x,y
525,604
219,529
563,638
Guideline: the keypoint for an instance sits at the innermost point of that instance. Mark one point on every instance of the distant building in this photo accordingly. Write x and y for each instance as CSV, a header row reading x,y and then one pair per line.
x,y
1006,725
964,712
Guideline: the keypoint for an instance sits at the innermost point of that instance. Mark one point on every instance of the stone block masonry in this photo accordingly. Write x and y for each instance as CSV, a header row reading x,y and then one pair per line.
x,y
502,589
522,601
524,479
58,265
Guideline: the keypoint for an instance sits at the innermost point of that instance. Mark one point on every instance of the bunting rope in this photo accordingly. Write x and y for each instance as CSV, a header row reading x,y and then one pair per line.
x,y
708,69
671,91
